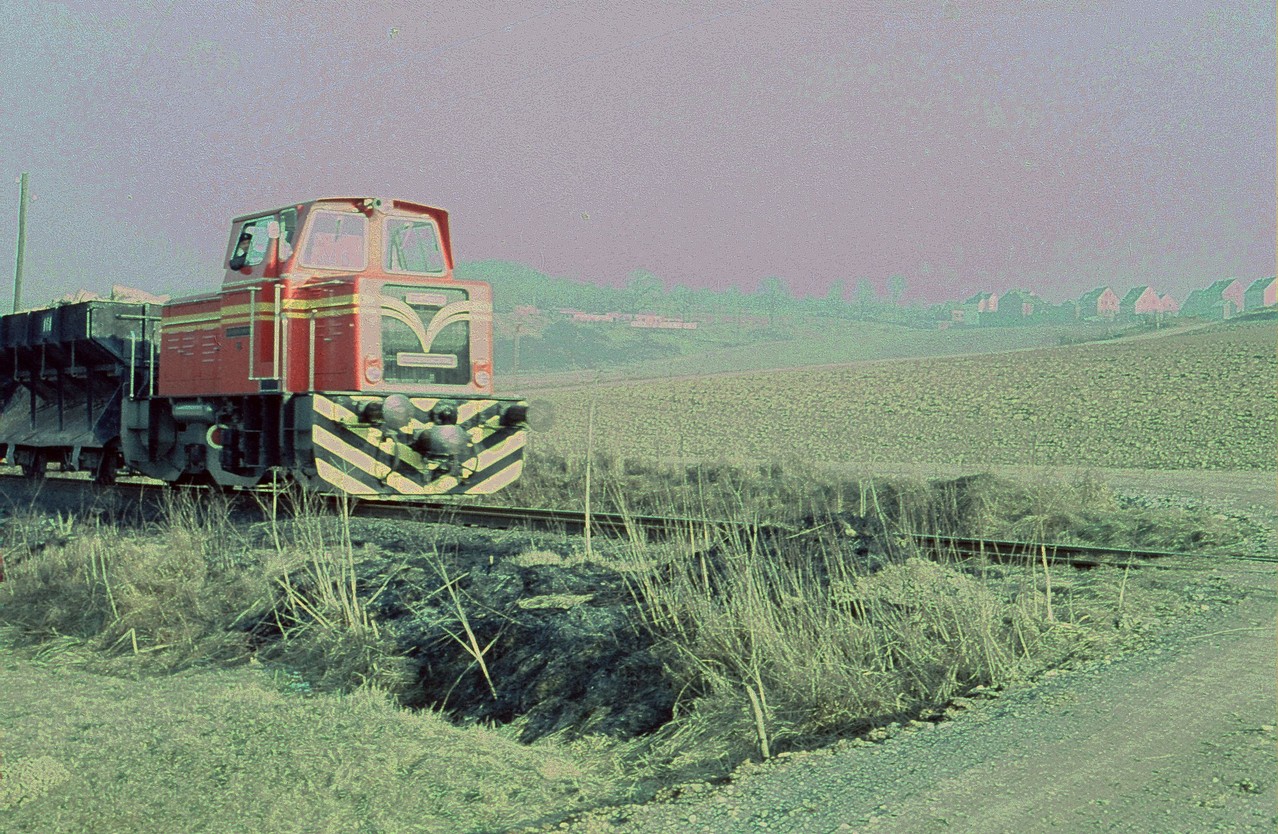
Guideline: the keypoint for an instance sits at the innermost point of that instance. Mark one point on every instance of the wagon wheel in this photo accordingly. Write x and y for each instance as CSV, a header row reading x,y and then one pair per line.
x,y
35,470
109,464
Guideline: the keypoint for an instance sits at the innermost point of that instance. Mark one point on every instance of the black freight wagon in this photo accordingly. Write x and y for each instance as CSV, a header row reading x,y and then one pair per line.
x,y
65,373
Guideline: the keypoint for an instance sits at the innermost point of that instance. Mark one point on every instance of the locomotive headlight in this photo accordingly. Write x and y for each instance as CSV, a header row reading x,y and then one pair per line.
x,y
373,369
397,411
371,413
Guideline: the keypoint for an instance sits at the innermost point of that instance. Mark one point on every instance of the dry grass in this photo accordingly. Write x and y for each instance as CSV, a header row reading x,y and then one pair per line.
x,y
215,729
786,643
772,644
774,647
1084,510
190,589
122,592
320,611
228,751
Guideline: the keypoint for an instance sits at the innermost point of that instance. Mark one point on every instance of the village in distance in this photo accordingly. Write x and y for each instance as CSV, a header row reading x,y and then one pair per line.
x,y
550,323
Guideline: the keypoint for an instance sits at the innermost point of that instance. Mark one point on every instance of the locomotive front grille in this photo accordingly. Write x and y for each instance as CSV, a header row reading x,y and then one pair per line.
x,y
425,335
362,455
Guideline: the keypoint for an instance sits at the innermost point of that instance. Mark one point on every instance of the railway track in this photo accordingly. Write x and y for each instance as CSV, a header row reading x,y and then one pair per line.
x,y
76,492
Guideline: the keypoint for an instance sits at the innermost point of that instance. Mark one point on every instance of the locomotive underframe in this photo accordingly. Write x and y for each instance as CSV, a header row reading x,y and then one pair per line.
x,y
324,441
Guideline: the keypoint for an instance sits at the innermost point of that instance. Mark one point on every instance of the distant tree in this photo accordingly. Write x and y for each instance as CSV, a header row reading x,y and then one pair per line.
x,y
772,296
896,288
589,296
835,301
866,297
733,302
706,301
682,301
643,291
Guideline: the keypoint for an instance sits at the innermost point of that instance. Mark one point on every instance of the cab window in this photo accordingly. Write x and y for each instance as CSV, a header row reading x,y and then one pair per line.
x,y
336,240
412,245
250,249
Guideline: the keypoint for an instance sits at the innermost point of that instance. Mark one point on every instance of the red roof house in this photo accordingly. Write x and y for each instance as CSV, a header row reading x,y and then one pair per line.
x,y
1140,301
986,302
1263,292
1235,292
1222,299
1167,305
1101,302
1019,304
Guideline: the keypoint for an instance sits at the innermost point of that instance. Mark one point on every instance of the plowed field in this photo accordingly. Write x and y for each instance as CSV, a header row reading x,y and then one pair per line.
x,y
1198,400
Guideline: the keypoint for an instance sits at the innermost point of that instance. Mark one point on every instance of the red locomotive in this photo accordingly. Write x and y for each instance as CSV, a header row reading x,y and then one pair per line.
x,y
339,349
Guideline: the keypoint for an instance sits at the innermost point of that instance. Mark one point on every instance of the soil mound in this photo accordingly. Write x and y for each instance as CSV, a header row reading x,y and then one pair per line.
x,y
562,645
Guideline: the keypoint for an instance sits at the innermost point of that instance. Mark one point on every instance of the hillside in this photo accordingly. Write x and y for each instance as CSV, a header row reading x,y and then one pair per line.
x,y
567,353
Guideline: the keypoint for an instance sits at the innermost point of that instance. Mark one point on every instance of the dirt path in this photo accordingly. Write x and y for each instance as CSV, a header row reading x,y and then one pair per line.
x,y
1178,737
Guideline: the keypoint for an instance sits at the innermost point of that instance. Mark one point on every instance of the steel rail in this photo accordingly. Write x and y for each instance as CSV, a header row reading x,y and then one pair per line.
x,y
654,526
1078,555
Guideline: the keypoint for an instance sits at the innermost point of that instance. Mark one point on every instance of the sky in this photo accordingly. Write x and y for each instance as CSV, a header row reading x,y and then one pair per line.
x,y
966,145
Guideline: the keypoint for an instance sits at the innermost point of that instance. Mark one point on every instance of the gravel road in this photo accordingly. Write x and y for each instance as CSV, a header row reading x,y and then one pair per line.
x,y
1176,737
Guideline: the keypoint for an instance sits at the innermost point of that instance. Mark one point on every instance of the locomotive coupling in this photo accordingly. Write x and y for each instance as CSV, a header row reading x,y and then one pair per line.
x,y
448,443
444,440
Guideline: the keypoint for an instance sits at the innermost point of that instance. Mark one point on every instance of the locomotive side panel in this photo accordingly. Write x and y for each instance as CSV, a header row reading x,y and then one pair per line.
x,y
190,347
323,337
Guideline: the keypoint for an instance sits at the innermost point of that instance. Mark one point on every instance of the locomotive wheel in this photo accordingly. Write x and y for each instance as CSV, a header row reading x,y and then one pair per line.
x,y
35,470
108,466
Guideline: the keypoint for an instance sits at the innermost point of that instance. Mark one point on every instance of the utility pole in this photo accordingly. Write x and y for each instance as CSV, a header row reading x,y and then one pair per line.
x,y
22,240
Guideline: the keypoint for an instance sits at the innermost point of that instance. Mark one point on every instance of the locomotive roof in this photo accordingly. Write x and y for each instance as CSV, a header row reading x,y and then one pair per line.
x,y
391,201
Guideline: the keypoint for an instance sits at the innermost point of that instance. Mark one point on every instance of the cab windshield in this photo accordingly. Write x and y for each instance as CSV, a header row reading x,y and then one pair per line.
x,y
412,246
336,240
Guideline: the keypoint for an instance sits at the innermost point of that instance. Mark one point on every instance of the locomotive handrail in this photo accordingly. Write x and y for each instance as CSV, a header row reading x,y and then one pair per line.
x,y
276,371
310,362
252,357
278,360
153,349
311,314
133,363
